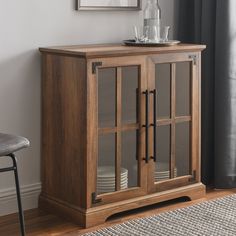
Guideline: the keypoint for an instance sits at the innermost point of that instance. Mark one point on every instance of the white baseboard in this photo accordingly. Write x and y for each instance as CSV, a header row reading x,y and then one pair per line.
x,y
29,195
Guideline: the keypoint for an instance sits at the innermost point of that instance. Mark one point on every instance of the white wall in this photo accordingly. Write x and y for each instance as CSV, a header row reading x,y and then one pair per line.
x,y
26,25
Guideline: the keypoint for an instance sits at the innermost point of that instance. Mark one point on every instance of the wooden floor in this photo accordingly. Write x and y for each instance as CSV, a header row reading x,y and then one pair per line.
x,y
41,223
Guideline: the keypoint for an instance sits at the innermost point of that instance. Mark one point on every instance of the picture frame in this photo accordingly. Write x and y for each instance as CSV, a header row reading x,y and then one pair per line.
x,y
108,5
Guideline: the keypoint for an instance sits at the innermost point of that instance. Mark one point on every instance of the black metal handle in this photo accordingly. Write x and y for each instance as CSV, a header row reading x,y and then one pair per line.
x,y
147,126
154,92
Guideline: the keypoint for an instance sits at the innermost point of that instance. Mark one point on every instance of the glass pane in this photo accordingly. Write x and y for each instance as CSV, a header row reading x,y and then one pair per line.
x,y
106,97
106,164
130,77
162,169
183,148
130,158
163,86
183,89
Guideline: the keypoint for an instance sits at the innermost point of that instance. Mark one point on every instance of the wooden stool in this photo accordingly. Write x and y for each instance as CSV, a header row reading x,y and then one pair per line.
x,y
8,145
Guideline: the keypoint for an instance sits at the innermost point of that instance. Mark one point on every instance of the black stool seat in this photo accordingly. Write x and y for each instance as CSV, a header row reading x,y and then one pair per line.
x,y
11,143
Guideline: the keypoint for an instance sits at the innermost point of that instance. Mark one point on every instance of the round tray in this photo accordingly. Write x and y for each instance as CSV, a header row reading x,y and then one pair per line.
x,y
132,42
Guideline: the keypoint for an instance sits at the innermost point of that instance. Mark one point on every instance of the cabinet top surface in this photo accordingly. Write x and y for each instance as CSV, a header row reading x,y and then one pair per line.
x,y
109,50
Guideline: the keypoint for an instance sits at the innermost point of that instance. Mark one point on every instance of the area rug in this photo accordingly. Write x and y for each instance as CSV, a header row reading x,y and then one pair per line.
x,y
211,218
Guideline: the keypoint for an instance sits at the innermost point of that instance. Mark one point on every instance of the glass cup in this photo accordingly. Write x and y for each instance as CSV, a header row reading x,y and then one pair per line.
x,y
152,33
139,34
165,34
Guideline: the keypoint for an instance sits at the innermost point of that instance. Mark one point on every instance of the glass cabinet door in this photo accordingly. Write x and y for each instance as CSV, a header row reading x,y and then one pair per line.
x,y
175,162
119,123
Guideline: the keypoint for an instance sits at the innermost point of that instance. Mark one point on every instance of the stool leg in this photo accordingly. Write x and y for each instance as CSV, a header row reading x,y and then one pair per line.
x,y
21,214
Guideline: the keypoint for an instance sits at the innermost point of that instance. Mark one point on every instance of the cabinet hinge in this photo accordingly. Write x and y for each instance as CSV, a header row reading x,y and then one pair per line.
x,y
95,200
194,176
193,58
95,65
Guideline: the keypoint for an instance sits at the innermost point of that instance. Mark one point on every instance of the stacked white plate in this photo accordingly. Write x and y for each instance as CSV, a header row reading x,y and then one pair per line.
x,y
106,180
162,171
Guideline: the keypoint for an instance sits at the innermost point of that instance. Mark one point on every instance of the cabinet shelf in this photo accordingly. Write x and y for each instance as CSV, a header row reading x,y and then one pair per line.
x,y
179,119
128,127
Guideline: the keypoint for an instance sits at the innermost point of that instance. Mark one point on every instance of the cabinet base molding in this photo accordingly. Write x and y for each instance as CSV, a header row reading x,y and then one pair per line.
x,y
99,214
62,209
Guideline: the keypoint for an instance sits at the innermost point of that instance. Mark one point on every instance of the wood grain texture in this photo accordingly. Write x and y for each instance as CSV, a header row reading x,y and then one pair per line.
x,y
115,50
141,189
99,215
151,81
122,128
118,125
196,117
199,76
64,129
70,130
179,119
173,124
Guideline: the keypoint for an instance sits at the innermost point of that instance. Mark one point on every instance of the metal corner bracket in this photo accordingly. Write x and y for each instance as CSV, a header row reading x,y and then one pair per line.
x,y
95,200
193,58
193,177
95,65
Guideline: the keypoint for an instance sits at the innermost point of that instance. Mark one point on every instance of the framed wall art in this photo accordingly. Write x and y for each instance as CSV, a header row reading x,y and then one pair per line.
x,y
108,4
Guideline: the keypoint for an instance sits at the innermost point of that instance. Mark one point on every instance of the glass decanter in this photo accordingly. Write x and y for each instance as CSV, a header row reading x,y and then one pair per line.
x,y
152,21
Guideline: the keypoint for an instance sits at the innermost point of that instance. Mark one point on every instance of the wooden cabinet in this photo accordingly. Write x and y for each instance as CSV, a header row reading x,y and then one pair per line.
x,y
120,128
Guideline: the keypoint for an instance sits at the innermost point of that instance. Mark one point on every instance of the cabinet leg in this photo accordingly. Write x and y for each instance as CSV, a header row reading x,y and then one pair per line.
x,y
96,219
197,194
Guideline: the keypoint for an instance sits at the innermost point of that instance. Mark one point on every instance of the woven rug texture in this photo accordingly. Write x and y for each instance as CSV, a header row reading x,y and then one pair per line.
x,y
211,218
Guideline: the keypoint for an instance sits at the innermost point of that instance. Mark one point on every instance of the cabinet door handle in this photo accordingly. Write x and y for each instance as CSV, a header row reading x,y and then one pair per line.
x,y
147,126
154,92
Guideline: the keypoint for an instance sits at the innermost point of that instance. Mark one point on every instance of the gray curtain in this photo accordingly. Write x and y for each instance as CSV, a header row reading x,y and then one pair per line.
x,y
213,22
